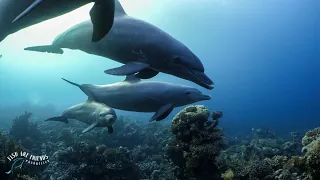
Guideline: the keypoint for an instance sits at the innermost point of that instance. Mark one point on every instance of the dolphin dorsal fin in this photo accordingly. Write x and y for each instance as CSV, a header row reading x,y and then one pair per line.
x,y
119,11
132,78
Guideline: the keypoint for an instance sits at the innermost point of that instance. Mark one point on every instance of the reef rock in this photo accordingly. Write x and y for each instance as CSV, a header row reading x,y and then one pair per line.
x,y
196,145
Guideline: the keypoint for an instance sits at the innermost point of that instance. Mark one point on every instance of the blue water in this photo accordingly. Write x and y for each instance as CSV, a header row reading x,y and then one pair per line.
x,y
263,56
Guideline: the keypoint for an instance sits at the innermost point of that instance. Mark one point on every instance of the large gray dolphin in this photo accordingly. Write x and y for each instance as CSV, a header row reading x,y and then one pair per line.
x,y
132,94
18,14
139,45
91,113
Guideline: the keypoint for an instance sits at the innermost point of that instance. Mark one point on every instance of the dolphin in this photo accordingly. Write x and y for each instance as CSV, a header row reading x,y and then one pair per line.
x,y
91,113
133,94
141,46
19,14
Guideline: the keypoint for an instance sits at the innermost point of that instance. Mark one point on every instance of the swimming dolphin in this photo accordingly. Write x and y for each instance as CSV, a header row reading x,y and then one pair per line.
x,y
142,47
92,113
18,14
132,94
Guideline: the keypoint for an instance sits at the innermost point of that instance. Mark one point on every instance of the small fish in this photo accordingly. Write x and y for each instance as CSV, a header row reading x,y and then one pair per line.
x,y
0,55
21,160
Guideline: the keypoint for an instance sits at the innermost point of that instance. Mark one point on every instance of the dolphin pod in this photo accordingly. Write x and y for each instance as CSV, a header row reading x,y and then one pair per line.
x,y
91,113
133,94
18,14
142,47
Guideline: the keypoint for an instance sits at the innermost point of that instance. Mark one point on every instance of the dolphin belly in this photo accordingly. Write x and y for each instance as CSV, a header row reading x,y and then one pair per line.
x,y
128,98
9,9
134,96
135,104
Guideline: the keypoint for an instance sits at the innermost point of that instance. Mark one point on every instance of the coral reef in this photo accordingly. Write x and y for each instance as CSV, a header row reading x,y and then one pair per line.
x,y
228,175
262,133
7,146
311,137
191,148
250,161
196,145
312,150
84,161
136,145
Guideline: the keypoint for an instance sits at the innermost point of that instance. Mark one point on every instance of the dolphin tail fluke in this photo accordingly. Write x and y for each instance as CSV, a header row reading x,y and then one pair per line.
x,y
59,118
102,18
75,84
90,95
28,10
46,48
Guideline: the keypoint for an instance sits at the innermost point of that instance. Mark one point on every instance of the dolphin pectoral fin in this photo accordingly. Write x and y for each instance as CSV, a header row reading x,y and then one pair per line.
x,y
28,10
90,127
162,113
47,48
132,78
90,99
102,18
127,69
110,129
147,73
59,118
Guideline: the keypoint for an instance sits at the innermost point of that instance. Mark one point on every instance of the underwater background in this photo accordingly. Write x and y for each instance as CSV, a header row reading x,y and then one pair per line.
x,y
263,56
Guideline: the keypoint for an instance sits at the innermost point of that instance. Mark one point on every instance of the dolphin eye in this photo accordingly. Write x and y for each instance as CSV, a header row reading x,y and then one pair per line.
x,y
188,93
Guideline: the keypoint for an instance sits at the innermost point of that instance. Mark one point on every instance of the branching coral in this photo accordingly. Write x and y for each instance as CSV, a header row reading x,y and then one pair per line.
x,y
20,124
25,131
